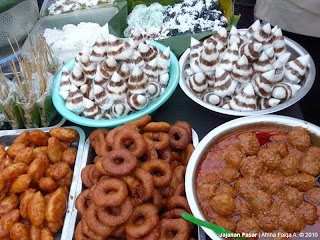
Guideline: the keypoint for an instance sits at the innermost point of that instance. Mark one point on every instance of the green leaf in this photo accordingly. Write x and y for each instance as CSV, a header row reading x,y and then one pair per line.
x,y
50,110
118,23
7,4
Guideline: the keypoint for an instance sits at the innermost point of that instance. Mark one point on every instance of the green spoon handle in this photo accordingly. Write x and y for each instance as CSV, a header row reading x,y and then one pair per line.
x,y
220,231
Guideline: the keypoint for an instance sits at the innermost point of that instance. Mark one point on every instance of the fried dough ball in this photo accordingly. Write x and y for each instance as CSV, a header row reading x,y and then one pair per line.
x,y
55,150
21,183
289,220
19,231
222,204
293,196
56,206
244,186
249,143
25,156
267,221
299,138
315,152
259,201
225,222
278,138
242,208
228,189
308,212
64,134
280,147
7,221
248,225
229,174
23,138
271,183
14,149
251,166
207,189
69,155
313,195
234,156
270,157
289,165
37,209
310,165
303,182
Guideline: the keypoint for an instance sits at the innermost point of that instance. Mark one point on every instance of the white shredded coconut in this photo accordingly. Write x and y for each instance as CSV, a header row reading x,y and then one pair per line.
x,y
61,6
65,43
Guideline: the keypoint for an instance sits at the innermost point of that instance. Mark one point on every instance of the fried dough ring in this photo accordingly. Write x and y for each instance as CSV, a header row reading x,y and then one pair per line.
x,y
178,226
149,213
176,201
128,164
143,121
89,232
157,127
179,137
132,136
102,198
110,219
82,202
165,155
94,223
159,140
158,166
146,180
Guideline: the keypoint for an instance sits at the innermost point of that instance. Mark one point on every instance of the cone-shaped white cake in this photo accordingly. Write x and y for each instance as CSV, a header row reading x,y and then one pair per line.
x,y
99,80
212,98
74,101
251,50
116,88
118,48
107,67
164,79
264,34
136,102
253,28
107,115
223,85
196,48
262,64
265,103
77,77
263,83
270,53
99,50
65,83
279,44
87,91
154,90
285,90
136,38
210,78
164,61
64,94
209,58
245,100
138,82
124,72
88,67
295,69
219,39
91,110
119,110
100,96
135,61
151,70
147,52
230,57
242,71
198,83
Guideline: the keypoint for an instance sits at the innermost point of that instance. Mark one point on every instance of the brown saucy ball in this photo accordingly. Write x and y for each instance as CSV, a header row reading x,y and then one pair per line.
x,y
262,181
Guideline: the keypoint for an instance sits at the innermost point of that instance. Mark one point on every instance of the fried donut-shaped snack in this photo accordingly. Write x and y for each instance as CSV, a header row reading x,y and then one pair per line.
x,y
136,177
35,175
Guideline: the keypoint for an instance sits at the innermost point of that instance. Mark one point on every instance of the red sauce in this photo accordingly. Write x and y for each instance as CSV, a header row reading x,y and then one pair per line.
x,y
213,162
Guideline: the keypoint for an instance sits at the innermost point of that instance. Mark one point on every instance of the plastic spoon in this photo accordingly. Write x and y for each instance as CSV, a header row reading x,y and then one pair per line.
x,y
220,231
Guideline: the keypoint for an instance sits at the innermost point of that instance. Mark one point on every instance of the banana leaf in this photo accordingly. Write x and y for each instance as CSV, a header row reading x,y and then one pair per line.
x,y
178,44
12,113
7,4
48,112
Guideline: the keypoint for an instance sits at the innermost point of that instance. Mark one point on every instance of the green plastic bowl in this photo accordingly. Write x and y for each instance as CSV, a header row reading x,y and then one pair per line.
x,y
60,104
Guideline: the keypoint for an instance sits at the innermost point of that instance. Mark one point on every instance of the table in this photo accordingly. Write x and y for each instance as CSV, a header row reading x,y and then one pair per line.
x,y
202,120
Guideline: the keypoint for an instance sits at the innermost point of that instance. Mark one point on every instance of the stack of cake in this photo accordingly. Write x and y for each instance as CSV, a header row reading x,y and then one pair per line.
x,y
245,72
115,78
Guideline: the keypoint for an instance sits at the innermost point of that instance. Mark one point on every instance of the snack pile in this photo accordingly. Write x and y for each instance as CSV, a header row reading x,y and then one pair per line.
x,y
245,72
62,6
35,177
189,16
115,78
135,188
